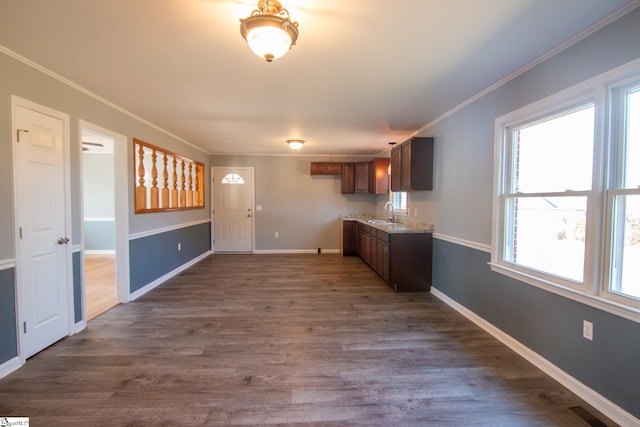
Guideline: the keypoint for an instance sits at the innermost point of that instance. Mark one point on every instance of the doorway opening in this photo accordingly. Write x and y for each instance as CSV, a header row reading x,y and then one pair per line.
x,y
104,223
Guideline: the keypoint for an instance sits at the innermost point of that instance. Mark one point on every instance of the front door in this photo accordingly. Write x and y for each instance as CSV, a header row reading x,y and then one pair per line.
x,y
232,209
42,245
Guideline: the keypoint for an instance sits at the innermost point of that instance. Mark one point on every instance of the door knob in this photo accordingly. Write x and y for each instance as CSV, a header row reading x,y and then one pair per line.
x,y
63,240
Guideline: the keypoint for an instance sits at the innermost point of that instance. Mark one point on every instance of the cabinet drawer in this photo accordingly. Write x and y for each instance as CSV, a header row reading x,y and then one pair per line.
x,y
382,235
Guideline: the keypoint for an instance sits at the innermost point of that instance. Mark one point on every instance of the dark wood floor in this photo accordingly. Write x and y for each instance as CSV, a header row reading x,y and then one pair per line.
x,y
284,339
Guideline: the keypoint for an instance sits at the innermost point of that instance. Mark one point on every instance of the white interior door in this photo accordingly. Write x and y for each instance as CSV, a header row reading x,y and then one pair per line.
x,y
232,209
42,249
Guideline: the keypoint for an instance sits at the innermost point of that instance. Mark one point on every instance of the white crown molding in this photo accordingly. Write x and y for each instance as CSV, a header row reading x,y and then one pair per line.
x,y
575,39
90,94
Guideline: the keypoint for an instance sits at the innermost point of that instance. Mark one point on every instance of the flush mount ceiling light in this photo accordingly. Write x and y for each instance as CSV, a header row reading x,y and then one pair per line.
x,y
295,144
269,31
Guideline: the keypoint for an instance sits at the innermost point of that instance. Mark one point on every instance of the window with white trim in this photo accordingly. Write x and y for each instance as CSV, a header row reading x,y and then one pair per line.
x,y
623,272
399,201
567,193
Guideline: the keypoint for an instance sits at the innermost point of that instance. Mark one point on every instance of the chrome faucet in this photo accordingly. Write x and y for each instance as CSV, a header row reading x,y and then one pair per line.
x,y
391,217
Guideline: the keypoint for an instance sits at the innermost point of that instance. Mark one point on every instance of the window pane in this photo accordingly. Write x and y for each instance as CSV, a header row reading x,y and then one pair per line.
x,y
625,269
232,178
632,157
555,154
399,200
548,234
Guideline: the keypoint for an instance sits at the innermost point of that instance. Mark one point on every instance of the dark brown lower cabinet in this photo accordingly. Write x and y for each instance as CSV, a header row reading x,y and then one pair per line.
x,y
410,261
403,260
349,235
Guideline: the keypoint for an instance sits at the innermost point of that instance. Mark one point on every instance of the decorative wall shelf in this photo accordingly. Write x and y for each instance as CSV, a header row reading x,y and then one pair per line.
x,y
181,185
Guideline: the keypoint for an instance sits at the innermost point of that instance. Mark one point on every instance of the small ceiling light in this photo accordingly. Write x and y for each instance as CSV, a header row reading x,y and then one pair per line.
x,y
269,31
295,144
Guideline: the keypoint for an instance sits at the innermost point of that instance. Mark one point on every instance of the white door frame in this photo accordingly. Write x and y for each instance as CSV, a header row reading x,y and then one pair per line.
x,y
121,199
253,203
21,304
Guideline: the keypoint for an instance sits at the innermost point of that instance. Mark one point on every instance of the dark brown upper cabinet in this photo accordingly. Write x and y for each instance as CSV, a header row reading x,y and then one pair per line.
x,y
348,178
325,168
412,165
379,176
362,177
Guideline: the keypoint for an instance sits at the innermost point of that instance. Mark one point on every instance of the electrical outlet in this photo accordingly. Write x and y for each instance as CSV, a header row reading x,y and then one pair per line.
x,y
587,330
179,246
276,235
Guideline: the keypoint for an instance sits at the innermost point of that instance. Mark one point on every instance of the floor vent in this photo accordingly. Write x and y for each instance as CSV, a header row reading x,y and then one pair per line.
x,y
587,416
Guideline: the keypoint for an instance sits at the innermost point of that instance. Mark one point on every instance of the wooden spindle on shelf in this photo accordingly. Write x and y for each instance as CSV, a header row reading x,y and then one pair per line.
x,y
190,186
141,189
154,191
183,193
196,186
165,180
174,180
164,193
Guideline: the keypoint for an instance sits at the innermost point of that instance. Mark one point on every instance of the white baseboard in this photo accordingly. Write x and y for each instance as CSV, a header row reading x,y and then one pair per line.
x,y
595,399
137,294
295,251
100,252
9,366
78,327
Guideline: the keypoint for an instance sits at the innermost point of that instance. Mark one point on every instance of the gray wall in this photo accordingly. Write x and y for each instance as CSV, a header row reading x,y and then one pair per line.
x,y
33,85
26,82
98,185
8,332
99,206
303,209
460,207
460,204
76,262
546,323
151,257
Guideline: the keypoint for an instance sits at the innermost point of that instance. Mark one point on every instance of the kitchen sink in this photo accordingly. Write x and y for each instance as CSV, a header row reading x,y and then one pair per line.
x,y
379,221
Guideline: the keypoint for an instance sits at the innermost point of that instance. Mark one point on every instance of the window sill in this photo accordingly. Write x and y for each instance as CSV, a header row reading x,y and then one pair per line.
x,y
596,301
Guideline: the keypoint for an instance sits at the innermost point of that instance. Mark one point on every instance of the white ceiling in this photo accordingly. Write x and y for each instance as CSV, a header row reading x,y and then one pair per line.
x,y
363,73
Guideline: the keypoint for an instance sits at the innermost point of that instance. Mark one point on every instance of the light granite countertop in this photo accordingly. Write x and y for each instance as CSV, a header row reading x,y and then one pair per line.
x,y
380,223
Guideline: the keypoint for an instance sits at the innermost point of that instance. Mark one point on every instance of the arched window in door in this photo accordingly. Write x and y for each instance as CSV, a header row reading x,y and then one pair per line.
x,y
232,178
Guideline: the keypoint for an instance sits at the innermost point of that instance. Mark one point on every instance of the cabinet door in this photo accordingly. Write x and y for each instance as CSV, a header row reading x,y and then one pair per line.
x,y
362,177
383,261
422,164
348,185
379,176
406,165
367,251
325,168
396,169
349,238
